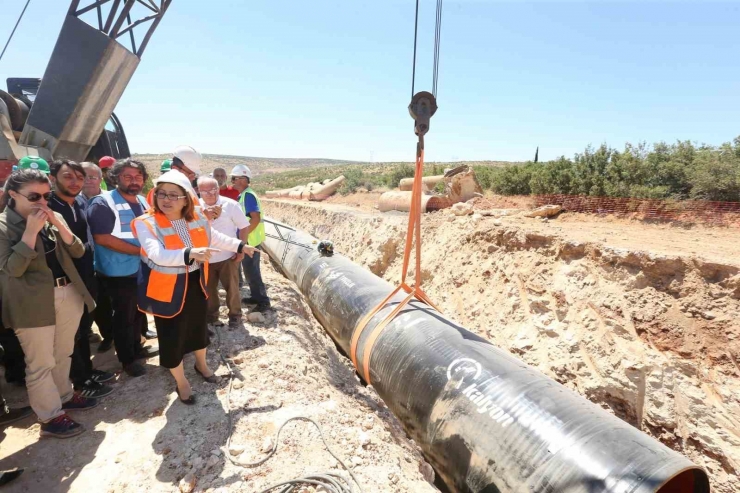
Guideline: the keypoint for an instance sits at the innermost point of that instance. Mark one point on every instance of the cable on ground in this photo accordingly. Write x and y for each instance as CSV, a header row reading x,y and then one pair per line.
x,y
330,481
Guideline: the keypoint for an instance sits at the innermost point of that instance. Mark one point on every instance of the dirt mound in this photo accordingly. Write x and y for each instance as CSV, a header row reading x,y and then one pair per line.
x,y
142,439
652,337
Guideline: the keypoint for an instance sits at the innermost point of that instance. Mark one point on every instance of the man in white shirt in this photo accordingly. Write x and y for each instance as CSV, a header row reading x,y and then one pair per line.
x,y
226,217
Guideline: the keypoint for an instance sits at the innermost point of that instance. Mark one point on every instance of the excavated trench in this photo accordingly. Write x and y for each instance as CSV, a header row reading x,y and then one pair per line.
x,y
651,338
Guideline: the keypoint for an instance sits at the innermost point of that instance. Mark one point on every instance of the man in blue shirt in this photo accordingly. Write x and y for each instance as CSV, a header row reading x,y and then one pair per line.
x,y
254,235
117,259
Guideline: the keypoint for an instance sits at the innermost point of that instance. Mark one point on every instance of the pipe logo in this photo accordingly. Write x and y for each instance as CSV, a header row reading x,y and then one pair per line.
x,y
462,368
468,371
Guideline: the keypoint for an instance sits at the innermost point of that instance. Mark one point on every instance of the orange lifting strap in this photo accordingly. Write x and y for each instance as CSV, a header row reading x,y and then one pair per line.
x,y
414,228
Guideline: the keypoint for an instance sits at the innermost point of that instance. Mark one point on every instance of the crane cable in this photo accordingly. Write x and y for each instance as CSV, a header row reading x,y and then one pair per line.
x,y
14,28
427,103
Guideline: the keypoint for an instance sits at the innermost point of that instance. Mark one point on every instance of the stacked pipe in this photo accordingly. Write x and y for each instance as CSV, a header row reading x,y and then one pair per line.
x,y
485,420
460,186
312,191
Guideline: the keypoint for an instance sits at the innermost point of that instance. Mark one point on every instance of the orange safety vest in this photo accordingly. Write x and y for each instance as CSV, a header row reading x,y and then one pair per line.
x,y
162,290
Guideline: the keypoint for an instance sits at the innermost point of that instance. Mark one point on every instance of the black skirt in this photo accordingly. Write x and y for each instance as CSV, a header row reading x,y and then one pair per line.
x,y
186,332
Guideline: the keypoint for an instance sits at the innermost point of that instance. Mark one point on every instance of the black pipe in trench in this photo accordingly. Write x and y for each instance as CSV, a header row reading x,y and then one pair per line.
x,y
485,420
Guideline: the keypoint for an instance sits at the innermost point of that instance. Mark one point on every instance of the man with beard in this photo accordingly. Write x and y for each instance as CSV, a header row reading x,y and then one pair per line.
x,y
68,178
224,190
117,259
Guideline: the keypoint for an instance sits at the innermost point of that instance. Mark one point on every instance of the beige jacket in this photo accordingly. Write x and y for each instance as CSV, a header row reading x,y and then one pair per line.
x,y
26,282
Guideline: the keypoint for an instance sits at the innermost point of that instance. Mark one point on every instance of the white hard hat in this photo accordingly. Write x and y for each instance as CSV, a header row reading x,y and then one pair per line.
x,y
189,157
241,170
179,179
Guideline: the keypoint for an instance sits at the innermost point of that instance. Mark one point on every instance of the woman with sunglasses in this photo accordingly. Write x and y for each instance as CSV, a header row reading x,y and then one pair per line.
x,y
177,242
43,297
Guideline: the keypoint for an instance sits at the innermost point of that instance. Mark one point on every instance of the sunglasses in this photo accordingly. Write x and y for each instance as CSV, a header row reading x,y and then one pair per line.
x,y
35,197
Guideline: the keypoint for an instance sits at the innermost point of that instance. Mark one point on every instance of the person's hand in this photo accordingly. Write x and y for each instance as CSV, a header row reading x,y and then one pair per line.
x,y
248,250
237,257
213,212
36,221
51,217
202,254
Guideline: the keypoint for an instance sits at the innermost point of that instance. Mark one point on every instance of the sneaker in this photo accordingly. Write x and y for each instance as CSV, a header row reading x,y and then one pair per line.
x,y
150,334
147,352
101,376
14,415
94,390
61,427
106,345
135,369
236,323
94,338
79,403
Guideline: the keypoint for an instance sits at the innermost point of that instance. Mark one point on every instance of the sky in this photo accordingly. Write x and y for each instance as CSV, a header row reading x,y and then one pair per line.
x,y
332,79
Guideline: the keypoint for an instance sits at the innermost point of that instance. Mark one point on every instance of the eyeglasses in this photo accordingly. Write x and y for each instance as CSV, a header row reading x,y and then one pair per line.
x,y
128,178
169,196
35,197
208,192
234,178
93,178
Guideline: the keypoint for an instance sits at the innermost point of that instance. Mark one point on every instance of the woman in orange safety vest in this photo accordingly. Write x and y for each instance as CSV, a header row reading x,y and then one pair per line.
x,y
176,244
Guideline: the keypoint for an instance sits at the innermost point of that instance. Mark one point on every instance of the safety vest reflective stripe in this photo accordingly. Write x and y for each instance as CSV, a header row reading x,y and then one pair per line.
x,y
162,289
124,215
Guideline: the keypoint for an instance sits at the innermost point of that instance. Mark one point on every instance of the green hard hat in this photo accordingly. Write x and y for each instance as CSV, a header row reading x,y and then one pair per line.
x,y
34,162
166,165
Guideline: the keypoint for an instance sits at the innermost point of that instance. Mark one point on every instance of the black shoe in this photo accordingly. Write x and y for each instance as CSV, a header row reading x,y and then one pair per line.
x,y
14,415
212,379
189,401
94,338
93,389
262,308
8,476
249,301
102,376
147,352
150,334
106,345
135,369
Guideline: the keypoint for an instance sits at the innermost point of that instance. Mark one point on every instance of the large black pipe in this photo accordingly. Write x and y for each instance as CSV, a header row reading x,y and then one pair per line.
x,y
485,420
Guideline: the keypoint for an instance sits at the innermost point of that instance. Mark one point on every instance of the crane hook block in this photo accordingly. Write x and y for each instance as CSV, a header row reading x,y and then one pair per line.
x,y
423,105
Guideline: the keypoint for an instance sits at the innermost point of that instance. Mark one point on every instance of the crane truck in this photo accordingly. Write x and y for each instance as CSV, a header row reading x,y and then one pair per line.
x,y
69,112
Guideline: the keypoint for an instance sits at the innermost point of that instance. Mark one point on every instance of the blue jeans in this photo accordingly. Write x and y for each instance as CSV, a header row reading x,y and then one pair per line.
x,y
253,277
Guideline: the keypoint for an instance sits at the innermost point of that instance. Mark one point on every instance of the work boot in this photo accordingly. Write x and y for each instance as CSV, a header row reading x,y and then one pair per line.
x,y
61,427
94,338
236,322
14,415
150,334
8,476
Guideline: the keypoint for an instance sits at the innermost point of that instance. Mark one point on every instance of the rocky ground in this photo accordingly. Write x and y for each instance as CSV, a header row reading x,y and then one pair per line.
x,y
141,438
639,318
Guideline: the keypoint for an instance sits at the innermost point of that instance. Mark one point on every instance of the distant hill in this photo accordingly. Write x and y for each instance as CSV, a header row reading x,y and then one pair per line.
x,y
269,165
258,165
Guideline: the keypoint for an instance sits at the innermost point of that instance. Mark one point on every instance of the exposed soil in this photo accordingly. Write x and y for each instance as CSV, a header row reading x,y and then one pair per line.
x,y
639,318
141,438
